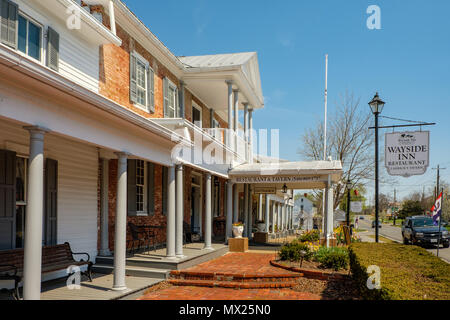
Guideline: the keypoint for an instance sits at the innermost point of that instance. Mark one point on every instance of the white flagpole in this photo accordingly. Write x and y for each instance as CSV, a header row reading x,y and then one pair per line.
x,y
325,143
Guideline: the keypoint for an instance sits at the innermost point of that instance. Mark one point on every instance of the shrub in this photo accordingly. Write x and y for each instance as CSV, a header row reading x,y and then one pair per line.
x,y
332,258
293,251
311,236
407,272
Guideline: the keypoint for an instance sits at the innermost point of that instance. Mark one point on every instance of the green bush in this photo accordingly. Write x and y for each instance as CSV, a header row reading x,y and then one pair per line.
x,y
311,236
332,258
407,272
293,251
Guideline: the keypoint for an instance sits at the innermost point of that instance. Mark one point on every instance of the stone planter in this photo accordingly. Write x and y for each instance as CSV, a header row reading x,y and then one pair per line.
x,y
237,231
261,227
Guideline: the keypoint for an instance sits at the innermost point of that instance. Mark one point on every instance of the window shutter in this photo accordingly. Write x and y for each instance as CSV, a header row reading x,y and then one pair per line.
x,y
151,189
7,200
133,78
53,49
166,95
131,194
51,197
177,105
151,90
9,22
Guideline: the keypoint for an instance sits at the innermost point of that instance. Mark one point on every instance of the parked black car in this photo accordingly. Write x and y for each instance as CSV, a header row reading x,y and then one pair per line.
x,y
421,230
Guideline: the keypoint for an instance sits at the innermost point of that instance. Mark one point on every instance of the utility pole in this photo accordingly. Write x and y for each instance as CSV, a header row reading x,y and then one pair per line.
x,y
438,169
395,206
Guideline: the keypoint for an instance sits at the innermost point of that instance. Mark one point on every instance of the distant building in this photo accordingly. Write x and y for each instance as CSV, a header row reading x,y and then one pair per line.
x,y
304,212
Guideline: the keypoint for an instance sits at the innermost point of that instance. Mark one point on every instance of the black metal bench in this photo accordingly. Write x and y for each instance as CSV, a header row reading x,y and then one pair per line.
x,y
54,258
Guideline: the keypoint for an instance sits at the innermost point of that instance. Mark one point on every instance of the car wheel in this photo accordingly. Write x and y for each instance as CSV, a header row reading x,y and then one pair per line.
x,y
405,241
447,245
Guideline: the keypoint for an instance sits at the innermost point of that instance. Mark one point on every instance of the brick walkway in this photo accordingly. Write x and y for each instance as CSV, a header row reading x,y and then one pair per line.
x,y
199,293
241,263
238,264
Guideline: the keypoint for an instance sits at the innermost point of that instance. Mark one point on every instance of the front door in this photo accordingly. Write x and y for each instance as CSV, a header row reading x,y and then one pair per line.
x,y
7,200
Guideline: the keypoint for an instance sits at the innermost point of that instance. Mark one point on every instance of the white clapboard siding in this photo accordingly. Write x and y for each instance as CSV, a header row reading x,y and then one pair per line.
x,y
77,184
78,59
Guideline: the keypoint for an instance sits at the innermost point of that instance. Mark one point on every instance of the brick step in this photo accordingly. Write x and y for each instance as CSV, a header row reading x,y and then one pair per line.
x,y
224,277
232,284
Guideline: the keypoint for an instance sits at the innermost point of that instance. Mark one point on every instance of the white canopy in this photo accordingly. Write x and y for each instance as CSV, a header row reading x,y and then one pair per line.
x,y
296,175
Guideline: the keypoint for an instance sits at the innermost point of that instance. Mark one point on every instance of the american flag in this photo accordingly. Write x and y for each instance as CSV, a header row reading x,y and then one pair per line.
x,y
437,210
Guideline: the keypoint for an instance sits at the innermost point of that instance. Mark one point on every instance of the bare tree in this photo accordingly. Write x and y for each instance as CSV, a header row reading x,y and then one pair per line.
x,y
349,141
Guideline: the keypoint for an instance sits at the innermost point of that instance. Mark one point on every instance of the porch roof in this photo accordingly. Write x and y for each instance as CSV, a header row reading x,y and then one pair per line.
x,y
296,175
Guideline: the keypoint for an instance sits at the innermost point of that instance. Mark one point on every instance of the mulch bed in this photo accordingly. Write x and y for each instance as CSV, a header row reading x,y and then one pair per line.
x,y
311,265
329,289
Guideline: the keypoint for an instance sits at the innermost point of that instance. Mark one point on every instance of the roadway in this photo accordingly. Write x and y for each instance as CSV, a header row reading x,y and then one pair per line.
x,y
395,234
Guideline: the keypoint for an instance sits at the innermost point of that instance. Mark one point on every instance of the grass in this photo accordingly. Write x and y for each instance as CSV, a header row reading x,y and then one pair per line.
x,y
360,230
407,272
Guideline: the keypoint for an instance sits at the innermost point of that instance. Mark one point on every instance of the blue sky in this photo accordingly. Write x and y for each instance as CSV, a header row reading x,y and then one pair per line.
x,y
407,61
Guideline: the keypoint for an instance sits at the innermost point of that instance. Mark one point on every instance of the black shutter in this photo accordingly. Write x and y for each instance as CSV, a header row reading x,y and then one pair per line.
x,y
131,194
151,188
51,199
9,21
165,174
7,200
52,49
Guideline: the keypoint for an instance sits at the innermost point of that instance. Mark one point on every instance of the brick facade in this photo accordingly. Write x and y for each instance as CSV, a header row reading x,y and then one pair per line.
x,y
114,84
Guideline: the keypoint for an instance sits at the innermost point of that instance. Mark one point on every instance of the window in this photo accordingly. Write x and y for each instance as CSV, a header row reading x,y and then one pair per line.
x,y
30,38
196,115
141,187
170,99
142,83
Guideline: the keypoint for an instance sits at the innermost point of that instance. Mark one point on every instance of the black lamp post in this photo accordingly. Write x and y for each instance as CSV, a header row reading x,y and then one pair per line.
x,y
376,105
349,187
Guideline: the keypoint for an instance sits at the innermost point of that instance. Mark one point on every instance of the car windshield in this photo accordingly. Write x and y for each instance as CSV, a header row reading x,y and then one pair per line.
x,y
425,222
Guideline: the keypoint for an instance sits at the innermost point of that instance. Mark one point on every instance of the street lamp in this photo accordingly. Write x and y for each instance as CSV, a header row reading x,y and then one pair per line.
x,y
285,189
376,105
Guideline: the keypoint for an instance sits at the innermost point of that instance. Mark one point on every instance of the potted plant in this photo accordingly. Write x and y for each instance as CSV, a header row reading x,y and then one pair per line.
x,y
261,225
238,229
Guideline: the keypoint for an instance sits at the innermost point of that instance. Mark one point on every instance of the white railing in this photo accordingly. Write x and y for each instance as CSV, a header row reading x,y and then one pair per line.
x,y
237,141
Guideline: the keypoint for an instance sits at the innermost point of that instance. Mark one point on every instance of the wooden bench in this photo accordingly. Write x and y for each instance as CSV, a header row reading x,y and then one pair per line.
x,y
54,258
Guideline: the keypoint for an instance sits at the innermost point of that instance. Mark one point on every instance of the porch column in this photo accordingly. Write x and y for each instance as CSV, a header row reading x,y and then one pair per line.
x,y
236,118
236,204
120,237
246,210
208,214
329,211
267,218
33,225
279,216
179,212
250,212
112,18
250,124
230,112
260,207
104,236
246,129
229,210
170,236
274,207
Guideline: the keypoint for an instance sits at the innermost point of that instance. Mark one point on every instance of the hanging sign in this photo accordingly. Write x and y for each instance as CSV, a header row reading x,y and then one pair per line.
x,y
356,206
264,190
407,153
